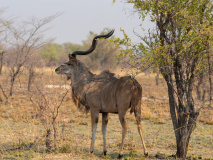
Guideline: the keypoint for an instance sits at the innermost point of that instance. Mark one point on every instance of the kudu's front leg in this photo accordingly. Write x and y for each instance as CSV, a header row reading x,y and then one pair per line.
x,y
94,120
104,129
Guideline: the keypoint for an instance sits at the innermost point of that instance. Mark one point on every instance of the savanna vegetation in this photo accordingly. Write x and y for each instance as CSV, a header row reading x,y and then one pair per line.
x,y
179,48
38,119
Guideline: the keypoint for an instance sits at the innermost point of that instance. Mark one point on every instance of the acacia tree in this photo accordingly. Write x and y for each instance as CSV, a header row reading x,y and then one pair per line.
x,y
180,49
47,108
22,41
3,40
3,37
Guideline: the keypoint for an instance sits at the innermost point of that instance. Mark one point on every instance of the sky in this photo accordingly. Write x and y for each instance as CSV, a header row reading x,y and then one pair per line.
x,y
78,17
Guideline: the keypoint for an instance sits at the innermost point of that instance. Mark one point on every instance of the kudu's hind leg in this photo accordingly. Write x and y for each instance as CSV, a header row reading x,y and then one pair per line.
x,y
94,119
138,119
104,129
122,119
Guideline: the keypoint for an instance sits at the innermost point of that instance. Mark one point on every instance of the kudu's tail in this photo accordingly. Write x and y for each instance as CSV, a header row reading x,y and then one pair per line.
x,y
136,98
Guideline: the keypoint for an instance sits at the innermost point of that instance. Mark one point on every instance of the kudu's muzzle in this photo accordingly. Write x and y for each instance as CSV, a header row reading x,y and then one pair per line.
x,y
57,70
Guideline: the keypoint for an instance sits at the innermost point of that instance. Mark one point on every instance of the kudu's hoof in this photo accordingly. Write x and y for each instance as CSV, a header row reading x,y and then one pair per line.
x,y
120,156
146,154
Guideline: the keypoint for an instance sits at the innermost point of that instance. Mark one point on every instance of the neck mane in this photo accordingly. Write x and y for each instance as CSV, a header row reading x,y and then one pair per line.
x,y
82,73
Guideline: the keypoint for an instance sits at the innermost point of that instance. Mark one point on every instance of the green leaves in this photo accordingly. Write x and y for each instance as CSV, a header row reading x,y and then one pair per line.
x,y
51,51
183,29
180,48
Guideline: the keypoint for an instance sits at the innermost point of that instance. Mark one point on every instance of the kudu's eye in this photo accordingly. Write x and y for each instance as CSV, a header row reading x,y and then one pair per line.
x,y
72,63
68,63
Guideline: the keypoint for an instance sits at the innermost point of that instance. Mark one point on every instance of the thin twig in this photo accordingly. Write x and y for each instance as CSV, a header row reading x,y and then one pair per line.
x,y
3,92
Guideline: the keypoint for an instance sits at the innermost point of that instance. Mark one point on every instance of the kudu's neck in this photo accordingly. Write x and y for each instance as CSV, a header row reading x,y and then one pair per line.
x,y
81,73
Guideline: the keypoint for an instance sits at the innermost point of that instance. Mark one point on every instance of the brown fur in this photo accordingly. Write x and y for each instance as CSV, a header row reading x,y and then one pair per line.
x,y
103,93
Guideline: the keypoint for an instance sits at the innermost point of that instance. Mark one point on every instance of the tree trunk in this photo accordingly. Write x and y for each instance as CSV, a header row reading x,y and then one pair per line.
x,y
198,92
204,95
183,124
157,79
1,62
1,100
0,68
172,105
55,134
48,140
182,145
11,86
30,77
200,81
13,77
210,74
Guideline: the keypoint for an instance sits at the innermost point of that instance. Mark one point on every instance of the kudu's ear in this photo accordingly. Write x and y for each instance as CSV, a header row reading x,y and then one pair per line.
x,y
71,57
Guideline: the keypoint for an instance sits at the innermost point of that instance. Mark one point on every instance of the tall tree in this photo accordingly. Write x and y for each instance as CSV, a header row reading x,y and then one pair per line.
x,y
180,49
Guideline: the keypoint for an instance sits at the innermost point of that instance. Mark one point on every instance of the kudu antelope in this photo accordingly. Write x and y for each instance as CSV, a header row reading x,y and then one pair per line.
x,y
103,93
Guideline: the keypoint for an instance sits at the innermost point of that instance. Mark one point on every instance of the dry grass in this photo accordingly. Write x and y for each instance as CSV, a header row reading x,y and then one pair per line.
x,y
23,135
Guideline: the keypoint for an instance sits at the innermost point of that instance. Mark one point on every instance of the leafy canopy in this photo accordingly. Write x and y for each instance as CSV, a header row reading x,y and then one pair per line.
x,y
183,31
